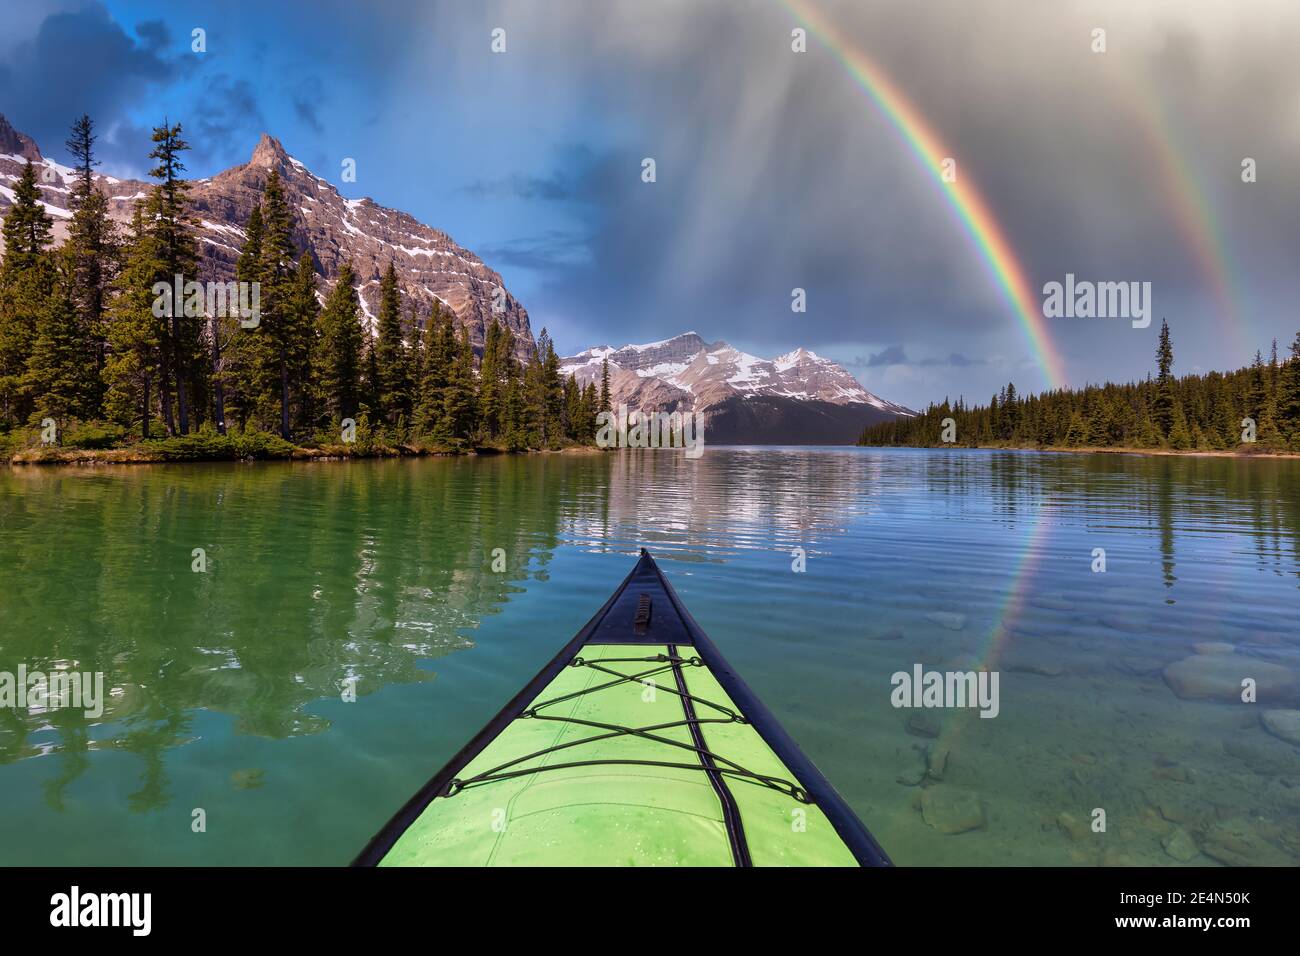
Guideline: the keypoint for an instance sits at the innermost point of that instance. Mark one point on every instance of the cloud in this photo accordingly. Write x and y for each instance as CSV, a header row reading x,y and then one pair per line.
x,y
894,355
546,253
82,61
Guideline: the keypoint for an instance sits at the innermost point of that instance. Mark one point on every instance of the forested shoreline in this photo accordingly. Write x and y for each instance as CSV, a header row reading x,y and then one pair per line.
x,y
1253,410
89,368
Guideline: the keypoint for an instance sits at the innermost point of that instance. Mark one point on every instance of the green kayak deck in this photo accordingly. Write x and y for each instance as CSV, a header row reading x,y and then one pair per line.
x,y
637,745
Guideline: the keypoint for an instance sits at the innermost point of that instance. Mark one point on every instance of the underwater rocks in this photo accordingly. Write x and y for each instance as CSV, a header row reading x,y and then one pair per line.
x,y
1180,845
1214,647
1261,753
952,811
1283,724
1235,843
1219,677
949,619
1075,828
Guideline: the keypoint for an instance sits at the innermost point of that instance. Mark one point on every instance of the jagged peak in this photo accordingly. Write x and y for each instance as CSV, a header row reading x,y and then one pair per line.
x,y
269,151
15,143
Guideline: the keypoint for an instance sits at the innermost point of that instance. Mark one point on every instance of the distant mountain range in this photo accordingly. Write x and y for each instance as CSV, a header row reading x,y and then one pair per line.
x,y
796,398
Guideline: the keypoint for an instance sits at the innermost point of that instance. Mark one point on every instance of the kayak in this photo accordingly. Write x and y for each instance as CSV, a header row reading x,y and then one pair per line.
x,y
636,745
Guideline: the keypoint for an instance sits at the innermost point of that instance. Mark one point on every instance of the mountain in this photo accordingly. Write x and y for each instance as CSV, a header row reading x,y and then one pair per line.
x,y
797,398
430,265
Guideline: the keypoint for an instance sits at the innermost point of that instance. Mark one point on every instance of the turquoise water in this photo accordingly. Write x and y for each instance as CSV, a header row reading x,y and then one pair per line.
x,y
226,684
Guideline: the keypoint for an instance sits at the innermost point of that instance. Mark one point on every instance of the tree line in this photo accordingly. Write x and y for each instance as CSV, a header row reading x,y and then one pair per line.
x,y
82,343
1254,407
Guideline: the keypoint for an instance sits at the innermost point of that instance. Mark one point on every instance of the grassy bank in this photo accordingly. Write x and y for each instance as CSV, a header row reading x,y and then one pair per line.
x,y
103,447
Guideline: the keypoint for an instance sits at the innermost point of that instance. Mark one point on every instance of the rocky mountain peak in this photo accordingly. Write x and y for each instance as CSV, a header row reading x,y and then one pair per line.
x,y
269,152
430,266
14,143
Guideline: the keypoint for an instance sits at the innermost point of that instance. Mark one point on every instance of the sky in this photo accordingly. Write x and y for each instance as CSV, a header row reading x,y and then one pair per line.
x,y
774,169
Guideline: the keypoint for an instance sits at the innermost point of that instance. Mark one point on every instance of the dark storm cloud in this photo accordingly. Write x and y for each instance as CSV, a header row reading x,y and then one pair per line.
x,y
82,61
775,170
227,119
154,34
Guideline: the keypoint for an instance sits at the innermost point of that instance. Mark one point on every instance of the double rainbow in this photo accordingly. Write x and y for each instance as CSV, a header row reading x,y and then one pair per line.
x,y
964,198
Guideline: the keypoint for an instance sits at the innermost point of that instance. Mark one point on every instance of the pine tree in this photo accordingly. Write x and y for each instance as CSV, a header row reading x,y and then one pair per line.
x,y
237,350
437,367
339,353
62,354
1288,396
459,413
94,246
393,365
278,334
27,280
604,386
305,308
135,334
490,397
1163,405
167,216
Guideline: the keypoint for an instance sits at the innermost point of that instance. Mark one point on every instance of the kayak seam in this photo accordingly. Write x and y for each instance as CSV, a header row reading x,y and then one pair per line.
x,y
510,804
731,821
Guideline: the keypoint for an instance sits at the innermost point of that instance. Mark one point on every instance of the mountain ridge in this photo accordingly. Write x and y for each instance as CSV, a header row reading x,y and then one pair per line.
x,y
796,398
430,265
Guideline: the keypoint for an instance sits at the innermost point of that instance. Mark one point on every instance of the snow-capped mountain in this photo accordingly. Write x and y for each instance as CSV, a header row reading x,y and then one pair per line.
x,y
430,265
812,398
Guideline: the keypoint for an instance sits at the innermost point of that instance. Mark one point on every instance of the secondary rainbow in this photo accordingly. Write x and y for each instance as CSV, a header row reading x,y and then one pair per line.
x,y
965,199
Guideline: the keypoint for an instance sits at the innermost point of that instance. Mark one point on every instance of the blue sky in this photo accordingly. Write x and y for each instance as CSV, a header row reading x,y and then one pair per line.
x,y
774,171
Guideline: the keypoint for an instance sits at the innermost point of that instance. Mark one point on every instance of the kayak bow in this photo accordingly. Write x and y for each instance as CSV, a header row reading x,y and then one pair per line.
x,y
636,745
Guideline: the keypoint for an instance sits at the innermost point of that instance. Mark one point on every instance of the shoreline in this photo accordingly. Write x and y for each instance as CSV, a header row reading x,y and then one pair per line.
x,y
1113,450
131,456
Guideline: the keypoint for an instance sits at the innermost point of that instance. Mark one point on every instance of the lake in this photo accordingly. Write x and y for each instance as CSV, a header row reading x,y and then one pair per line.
x,y
225,686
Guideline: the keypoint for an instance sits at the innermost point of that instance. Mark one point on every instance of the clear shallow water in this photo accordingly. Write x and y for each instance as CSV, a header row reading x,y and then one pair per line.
x,y
226,685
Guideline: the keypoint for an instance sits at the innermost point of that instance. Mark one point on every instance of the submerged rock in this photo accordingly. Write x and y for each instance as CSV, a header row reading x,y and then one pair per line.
x,y
1139,666
1283,724
1073,827
1235,843
1180,845
1051,602
936,762
1035,667
1214,647
1263,754
949,619
1219,677
952,811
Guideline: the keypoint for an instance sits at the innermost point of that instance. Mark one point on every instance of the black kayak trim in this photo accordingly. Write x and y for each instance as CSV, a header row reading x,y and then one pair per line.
x,y
633,616
730,811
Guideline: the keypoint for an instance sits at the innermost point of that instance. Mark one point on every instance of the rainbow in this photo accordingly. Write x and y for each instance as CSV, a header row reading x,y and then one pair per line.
x,y
1191,208
970,207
